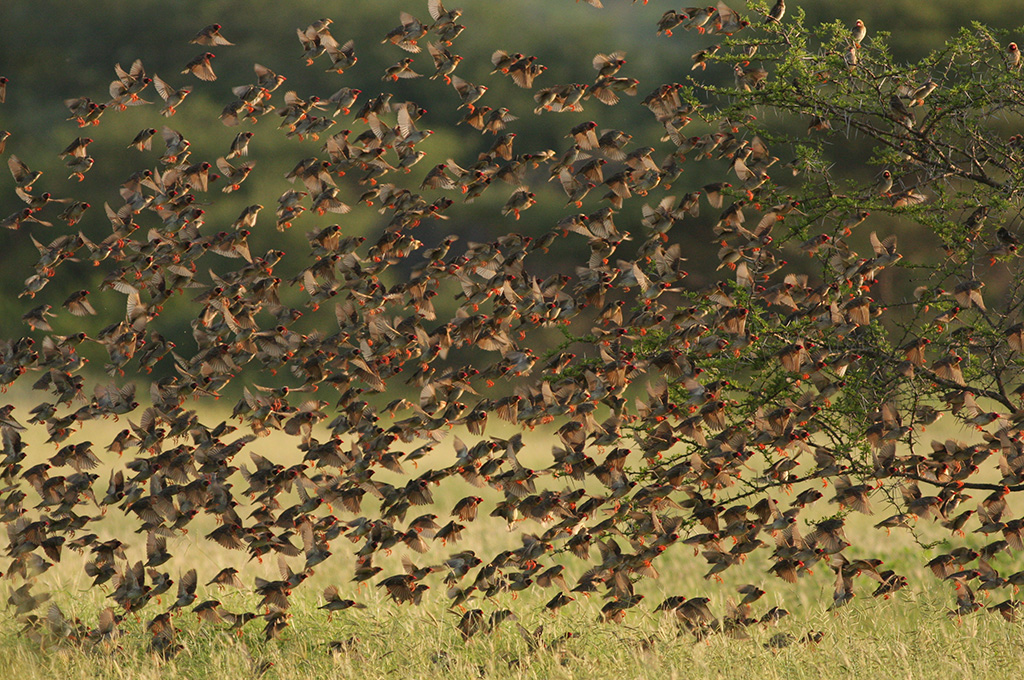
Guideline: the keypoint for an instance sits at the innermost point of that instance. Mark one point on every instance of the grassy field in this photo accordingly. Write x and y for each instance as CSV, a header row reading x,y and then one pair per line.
x,y
909,635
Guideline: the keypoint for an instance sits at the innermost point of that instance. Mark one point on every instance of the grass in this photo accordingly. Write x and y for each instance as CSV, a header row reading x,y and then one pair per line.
x,y
906,636
909,635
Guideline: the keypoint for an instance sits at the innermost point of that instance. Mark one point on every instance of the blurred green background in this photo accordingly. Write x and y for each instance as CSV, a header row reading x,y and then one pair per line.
x,y
53,50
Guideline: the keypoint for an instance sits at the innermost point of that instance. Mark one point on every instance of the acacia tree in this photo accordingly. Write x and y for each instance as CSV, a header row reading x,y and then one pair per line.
x,y
849,359
816,347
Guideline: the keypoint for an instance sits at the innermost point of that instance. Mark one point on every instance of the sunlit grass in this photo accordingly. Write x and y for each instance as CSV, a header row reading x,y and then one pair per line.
x,y
908,635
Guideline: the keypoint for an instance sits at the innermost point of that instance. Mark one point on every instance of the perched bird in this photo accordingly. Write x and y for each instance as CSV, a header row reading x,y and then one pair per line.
x,y
884,184
919,94
859,32
777,11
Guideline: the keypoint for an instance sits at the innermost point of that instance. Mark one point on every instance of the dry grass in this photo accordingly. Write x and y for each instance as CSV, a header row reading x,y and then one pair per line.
x,y
906,636
909,635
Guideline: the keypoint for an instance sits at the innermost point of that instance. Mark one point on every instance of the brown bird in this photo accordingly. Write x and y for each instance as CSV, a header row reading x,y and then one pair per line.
x,y
445,62
234,175
76,148
172,97
77,304
342,57
468,92
277,621
226,577
186,590
124,91
670,20
777,11
24,177
144,140
210,36
408,34
520,200
79,165
608,65
200,67
401,69
335,603
471,623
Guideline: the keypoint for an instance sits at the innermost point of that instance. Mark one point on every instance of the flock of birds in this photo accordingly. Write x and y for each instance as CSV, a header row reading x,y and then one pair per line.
x,y
170,467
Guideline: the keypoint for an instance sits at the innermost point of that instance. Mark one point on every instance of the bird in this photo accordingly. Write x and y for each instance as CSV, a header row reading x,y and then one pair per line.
x,y
335,603
407,35
210,36
445,62
401,69
519,201
79,165
143,140
1013,56
777,11
227,576
200,67
240,145
859,32
172,97
77,148
342,57
884,184
919,94
467,91
24,177
124,91
234,175
670,20
186,590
